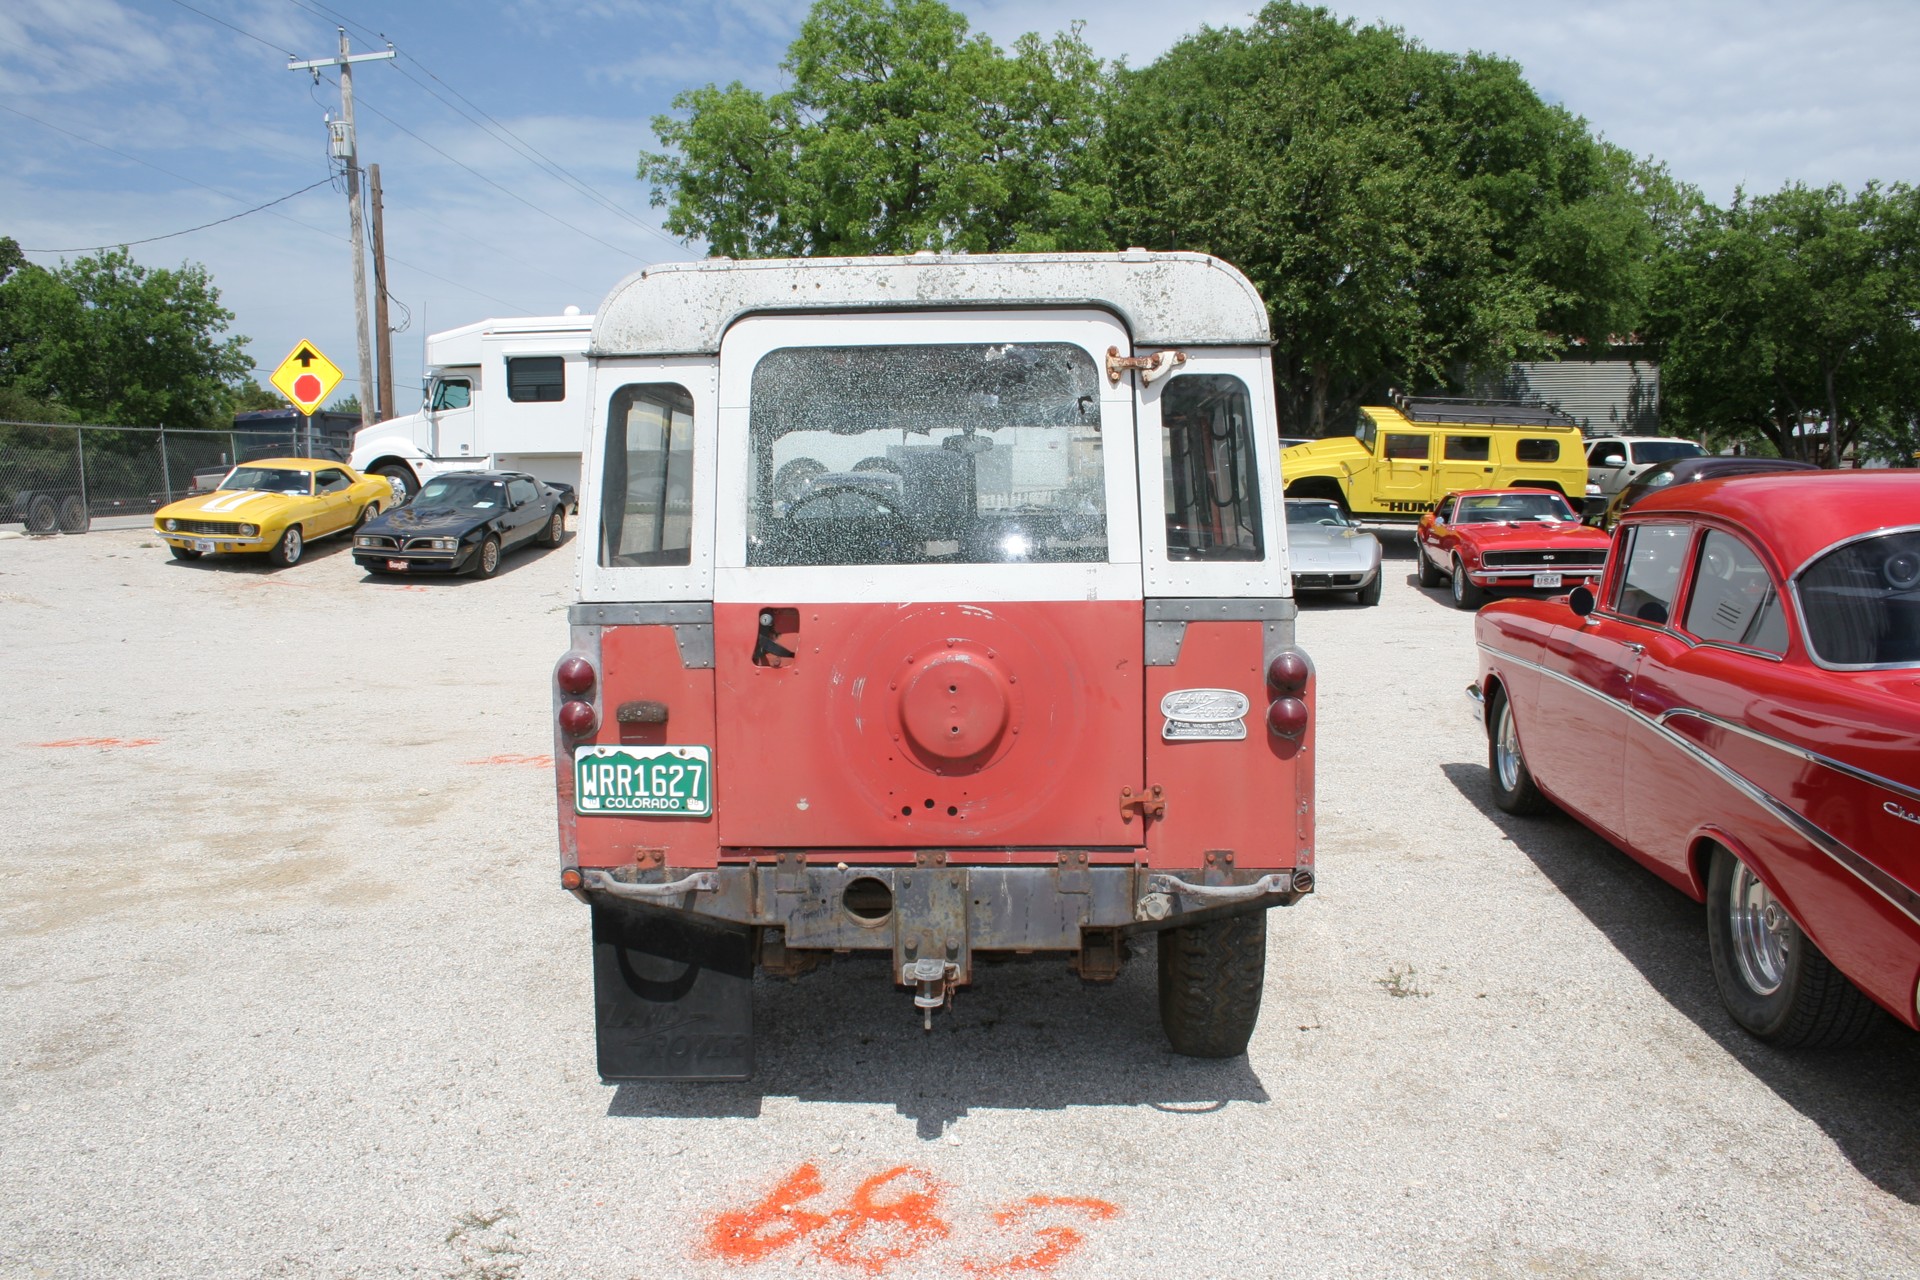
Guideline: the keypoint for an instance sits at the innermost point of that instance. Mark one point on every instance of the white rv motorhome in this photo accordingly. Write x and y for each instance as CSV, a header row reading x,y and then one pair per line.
x,y
500,393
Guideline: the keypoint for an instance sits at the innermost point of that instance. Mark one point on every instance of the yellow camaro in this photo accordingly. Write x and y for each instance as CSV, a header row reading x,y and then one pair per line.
x,y
275,506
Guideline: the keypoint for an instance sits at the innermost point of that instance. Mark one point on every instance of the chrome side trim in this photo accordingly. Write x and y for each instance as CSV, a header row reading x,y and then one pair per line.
x,y
1805,753
1898,895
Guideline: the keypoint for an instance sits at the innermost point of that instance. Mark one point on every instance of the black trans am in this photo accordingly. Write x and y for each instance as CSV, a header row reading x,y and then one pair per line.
x,y
462,523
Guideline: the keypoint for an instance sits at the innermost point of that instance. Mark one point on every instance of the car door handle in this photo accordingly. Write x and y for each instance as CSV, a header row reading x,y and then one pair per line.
x,y
1633,647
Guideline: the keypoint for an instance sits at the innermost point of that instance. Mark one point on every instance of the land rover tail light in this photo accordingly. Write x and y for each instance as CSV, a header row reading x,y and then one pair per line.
x,y
1288,672
575,675
576,718
1287,677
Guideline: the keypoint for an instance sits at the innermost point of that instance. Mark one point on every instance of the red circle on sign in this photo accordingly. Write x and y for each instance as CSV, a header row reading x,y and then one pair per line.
x,y
306,387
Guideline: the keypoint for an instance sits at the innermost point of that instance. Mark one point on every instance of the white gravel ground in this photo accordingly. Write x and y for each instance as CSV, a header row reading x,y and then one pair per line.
x,y
287,988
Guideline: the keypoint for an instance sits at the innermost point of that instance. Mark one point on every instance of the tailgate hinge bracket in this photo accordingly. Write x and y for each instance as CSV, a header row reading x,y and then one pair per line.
x,y
1150,803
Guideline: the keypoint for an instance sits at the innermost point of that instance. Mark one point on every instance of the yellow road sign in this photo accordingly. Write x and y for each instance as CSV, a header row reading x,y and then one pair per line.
x,y
306,377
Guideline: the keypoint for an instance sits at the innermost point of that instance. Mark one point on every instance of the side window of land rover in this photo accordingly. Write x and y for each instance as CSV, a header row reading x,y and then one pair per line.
x,y
646,500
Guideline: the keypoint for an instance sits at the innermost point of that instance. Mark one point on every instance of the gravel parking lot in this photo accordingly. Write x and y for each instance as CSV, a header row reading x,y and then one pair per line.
x,y
287,988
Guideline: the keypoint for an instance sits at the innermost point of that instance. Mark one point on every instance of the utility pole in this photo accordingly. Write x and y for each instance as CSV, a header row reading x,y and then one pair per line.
x,y
382,336
346,147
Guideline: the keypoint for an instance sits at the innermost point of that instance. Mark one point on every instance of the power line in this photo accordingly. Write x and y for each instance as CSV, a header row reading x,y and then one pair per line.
x,y
181,177
229,26
511,139
530,151
128,244
496,186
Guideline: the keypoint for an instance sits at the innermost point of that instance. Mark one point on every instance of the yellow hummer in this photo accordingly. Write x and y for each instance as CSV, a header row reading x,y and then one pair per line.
x,y
1408,455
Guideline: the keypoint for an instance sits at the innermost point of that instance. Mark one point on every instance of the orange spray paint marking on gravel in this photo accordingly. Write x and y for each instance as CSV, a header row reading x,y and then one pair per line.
x,y
545,762
1056,1241
101,742
893,1216
873,1235
772,1224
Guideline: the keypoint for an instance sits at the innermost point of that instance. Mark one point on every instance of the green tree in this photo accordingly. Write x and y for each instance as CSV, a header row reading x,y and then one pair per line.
x,y
1790,318
901,131
114,342
1408,215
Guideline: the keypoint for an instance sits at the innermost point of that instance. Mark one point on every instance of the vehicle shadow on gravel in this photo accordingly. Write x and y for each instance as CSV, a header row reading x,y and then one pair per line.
x,y
1025,1036
1862,1098
252,563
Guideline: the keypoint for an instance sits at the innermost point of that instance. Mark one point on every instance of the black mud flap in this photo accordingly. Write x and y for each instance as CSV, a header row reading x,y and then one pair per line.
x,y
673,998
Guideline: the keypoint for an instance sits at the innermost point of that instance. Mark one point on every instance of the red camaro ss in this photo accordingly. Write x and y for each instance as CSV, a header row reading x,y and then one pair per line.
x,y
1479,539
1739,709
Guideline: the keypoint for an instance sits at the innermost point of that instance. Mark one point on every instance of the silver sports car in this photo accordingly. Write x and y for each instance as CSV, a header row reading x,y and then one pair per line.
x,y
1330,552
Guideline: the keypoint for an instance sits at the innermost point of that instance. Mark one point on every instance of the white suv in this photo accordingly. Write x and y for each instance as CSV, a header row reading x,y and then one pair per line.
x,y
1614,462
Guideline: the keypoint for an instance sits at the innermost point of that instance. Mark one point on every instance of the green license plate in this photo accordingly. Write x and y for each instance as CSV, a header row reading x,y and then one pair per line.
x,y
662,781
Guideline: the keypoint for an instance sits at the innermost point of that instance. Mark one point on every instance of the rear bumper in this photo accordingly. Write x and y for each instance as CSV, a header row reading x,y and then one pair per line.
x,y
950,911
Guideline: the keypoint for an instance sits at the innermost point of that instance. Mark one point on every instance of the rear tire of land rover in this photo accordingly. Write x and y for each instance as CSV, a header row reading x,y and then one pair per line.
x,y
1773,980
1211,976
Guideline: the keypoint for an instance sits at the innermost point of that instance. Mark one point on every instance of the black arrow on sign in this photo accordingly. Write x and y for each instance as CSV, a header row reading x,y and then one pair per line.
x,y
306,355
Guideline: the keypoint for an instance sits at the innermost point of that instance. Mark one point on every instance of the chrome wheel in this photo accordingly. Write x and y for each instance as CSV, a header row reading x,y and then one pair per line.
x,y
1506,748
1760,931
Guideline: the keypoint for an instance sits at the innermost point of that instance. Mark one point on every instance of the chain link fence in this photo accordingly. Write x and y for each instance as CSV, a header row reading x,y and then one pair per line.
x,y
59,478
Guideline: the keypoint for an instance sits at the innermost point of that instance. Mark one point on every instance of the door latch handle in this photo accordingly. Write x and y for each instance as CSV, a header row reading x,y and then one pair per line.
x,y
1633,647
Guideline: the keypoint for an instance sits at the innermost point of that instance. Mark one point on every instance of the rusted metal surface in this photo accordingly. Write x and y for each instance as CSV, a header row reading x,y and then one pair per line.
x,y
1165,299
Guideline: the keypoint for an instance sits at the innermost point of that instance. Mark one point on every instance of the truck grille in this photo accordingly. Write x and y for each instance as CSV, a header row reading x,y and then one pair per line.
x,y
1548,560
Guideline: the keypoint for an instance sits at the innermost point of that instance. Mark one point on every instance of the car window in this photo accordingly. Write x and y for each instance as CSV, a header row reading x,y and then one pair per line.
x,y
1406,446
1207,470
452,393
961,453
1444,512
1301,511
1537,449
520,491
536,378
646,500
1468,448
1665,450
1514,505
1733,599
331,481
1861,602
1653,556
1609,454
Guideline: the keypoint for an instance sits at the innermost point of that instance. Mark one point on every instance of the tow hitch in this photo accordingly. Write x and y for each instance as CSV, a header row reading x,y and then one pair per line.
x,y
932,980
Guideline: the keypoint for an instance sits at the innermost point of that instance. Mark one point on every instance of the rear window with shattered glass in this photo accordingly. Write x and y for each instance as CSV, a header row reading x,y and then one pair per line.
x,y
964,453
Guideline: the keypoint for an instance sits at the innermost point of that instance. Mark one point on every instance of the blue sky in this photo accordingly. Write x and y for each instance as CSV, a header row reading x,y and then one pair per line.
x,y
127,119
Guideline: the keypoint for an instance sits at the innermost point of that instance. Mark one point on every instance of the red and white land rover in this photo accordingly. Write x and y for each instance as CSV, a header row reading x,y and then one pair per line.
x,y
933,607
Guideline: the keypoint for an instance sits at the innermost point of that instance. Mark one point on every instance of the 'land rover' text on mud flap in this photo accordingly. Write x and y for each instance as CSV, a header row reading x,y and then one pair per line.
x,y
939,608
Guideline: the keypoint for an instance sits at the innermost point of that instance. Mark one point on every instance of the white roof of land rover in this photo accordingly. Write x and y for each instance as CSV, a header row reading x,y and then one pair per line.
x,y
684,308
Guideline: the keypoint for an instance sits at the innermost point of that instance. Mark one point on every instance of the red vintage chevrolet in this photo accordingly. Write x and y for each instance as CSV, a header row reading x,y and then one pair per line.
x,y
1738,707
